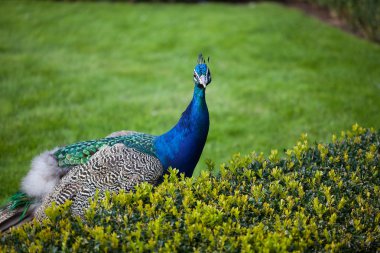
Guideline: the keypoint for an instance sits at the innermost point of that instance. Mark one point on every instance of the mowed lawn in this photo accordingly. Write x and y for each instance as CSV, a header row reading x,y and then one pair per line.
x,y
79,71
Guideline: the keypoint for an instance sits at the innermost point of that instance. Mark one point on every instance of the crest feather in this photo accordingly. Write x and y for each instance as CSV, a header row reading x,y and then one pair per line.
x,y
201,60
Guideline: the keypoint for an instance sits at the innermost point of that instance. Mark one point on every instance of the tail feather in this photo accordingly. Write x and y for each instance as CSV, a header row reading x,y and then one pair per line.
x,y
19,209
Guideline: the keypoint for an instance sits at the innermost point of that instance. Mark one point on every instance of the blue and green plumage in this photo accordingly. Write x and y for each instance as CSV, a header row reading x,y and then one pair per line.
x,y
180,148
79,153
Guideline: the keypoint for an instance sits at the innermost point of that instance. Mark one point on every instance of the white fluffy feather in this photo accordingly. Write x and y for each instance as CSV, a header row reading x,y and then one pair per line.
x,y
43,175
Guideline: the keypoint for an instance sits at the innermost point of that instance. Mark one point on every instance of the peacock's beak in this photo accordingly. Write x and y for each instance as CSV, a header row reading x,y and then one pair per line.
x,y
203,81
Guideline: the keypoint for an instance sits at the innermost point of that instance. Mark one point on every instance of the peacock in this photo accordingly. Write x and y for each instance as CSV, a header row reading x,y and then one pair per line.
x,y
119,161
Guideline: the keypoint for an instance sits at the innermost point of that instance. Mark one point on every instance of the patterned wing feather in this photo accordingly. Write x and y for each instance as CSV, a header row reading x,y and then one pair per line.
x,y
111,169
80,153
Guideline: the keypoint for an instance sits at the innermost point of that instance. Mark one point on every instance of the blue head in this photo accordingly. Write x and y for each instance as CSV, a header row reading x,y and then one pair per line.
x,y
202,74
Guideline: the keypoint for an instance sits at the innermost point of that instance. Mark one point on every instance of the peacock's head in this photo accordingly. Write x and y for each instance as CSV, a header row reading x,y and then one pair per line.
x,y
202,75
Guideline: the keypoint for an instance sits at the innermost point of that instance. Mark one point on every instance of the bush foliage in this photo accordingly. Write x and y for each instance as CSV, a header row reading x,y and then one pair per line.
x,y
364,15
320,197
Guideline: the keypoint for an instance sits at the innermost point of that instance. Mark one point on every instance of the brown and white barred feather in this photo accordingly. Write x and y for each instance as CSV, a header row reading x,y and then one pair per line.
x,y
121,133
45,174
10,217
110,169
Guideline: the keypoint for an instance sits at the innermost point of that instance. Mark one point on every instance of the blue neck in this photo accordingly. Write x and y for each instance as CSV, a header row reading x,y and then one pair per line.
x,y
182,146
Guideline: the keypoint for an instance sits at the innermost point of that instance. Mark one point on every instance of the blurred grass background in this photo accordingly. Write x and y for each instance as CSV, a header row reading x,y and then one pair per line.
x,y
79,71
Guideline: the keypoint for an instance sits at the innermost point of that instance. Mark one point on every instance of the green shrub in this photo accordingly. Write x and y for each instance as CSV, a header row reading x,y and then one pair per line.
x,y
364,15
321,197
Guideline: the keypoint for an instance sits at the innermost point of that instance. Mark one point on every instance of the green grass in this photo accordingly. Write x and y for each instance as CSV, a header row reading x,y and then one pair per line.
x,y
78,71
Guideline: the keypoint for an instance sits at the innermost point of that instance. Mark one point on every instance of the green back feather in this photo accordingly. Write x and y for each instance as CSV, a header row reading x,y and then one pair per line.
x,y
19,200
80,153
